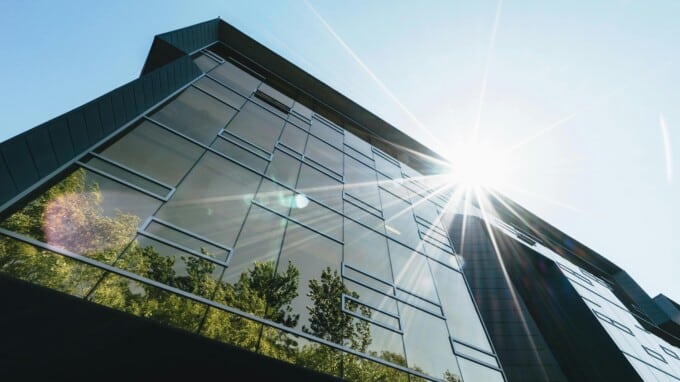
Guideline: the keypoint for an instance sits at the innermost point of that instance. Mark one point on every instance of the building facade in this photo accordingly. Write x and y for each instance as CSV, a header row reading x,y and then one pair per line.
x,y
227,212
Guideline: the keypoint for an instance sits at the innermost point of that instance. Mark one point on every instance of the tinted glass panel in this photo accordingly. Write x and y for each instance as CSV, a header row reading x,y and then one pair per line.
x,y
149,148
427,343
240,154
360,182
213,199
213,88
461,315
399,221
366,250
313,255
411,271
260,241
257,126
128,176
235,78
326,133
318,217
195,114
204,63
476,372
294,137
284,168
320,186
324,154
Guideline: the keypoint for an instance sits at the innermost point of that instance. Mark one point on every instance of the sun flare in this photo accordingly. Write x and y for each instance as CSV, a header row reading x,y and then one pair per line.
x,y
477,165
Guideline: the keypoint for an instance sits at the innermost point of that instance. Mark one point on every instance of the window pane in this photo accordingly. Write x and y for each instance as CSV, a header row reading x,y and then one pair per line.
x,y
195,114
362,215
128,176
277,95
358,144
257,126
387,167
38,266
150,302
186,240
260,241
476,372
168,265
399,221
240,154
213,199
326,133
149,148
372,298
294,137
318,217
394,187
85,213
324,154
411,271
314,256
360,182
461,315
366,250
283,168
212,87
204,63
320,186
235,78
276,197
427,343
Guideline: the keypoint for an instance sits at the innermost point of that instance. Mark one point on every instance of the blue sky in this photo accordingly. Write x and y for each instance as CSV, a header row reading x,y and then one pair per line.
x,y
580,97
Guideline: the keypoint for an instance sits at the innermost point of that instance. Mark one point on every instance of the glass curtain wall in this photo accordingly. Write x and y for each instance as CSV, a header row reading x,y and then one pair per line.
x,y
234,212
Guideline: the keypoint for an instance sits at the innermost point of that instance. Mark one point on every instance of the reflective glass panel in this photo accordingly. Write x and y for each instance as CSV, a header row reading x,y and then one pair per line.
x,y
283,168
475,372
213,199
411,271
195,114
326,133
427,344
149,148
237,79
214,88
205,63
324,154
320,186
317,217
366,250
260,241
461,315
257,126
399,221
294,137
318,261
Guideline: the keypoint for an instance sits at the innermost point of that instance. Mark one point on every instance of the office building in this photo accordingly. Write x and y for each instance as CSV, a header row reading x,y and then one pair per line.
x,y
227,213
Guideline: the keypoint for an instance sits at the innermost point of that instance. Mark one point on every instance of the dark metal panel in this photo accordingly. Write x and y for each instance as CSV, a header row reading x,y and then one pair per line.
x,y
78,129
140,100
7,187
22,169
148,89
156,82
118,107
93,122
106,115
165,87
61,139
40,145
129,101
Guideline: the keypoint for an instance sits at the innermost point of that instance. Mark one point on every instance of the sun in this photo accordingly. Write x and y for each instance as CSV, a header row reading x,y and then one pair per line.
x,y
477,165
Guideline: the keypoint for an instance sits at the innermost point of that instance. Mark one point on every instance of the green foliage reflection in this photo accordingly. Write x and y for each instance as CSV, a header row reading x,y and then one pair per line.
x,y
70,216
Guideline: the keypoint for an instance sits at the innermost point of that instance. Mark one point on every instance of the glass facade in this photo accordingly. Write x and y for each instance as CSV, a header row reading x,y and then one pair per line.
x,y
234,212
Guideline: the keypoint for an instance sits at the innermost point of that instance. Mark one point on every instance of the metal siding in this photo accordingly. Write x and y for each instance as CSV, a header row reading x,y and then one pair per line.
x,y
22,169
148,89
93,122
61,140
129,100
118,107
78,129
140,100
7,187
106,114
156,82
39,144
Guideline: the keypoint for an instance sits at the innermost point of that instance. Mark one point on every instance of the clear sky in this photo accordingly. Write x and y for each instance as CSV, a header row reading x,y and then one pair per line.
x,y
578,100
